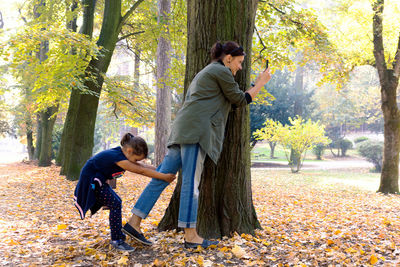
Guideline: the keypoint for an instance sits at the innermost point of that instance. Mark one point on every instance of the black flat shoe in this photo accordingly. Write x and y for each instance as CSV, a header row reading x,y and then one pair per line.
x,y
206,243
129,230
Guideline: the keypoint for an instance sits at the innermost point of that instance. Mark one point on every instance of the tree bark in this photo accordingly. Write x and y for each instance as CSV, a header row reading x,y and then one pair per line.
x,y
389,80
29,138
225,204
47,120
272,146
163,100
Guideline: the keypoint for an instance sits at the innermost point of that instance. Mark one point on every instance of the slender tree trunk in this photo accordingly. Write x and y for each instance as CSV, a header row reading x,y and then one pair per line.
x,y
225,204
48,119
65,153
389,80
297,109
38,137
163,100
1,21
272,146
29,138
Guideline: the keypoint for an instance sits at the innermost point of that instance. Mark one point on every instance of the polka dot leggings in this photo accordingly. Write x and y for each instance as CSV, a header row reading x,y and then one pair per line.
x,y
107,197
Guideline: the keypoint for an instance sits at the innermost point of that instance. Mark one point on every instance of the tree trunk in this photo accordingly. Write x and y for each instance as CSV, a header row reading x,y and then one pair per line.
x,y
272,146
48,119
29,138
297,108
389,80
64,154
225,204
38,137
82,136
163,100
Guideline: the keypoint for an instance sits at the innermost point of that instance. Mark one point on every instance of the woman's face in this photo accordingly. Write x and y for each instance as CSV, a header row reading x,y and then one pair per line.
x,y
234,63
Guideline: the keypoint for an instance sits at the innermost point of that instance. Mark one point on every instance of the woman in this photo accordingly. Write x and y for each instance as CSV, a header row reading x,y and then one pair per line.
x,y
197,131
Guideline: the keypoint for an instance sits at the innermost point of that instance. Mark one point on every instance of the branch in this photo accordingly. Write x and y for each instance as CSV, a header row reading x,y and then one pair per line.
x,y
261,41
396,63
284,13
130,11
379,51
130,34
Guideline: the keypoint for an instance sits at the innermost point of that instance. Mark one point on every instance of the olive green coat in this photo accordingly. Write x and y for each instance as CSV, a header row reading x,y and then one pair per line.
x,y
203,116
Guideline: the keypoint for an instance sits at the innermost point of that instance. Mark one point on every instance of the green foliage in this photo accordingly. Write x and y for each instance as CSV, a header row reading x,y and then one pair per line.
x,y
360,139
300,136
373,152
318,150
343,145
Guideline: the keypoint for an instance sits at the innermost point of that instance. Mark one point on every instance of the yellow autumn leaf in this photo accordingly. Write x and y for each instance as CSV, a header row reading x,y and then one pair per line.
x,y
351,250
373,259
330,242
123,260
158,263
61,227
238,251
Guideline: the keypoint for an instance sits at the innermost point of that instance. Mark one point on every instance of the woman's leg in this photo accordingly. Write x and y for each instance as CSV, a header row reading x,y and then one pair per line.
x,y
192,167
171,164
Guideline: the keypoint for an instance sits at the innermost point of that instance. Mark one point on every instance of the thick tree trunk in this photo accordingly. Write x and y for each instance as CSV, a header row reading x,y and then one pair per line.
x,y
64,154
389,80
82,137
48,119
225,204
163,100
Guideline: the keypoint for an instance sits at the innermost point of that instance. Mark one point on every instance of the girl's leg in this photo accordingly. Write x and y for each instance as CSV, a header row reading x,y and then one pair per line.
x,y
148,198
192,167
107,197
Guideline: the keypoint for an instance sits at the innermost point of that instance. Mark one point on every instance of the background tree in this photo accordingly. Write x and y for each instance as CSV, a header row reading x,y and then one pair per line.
x,y
163,108
389,73
83,125
225,204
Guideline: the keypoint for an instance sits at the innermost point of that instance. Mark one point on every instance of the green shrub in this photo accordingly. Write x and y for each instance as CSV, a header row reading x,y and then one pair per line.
x,y
343,145
360,139
373,152
318,150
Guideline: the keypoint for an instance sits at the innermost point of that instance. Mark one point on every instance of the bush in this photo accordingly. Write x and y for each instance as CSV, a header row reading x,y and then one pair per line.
x,y
343,145
373,152
360,139
318,151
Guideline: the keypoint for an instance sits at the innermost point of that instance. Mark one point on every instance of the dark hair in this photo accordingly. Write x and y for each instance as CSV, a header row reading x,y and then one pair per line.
x,y
219,50
137,143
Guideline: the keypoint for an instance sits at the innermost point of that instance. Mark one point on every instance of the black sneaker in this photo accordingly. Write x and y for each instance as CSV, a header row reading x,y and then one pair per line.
x,y
206,243
121,245
129,230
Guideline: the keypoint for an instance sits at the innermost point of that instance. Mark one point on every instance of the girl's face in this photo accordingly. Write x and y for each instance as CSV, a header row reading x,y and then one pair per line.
x,y
133,157
233,63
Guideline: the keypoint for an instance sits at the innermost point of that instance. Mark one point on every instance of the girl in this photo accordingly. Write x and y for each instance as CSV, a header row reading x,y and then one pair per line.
x,y
93,191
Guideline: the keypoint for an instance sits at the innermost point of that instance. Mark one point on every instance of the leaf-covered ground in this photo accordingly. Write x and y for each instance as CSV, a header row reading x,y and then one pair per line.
x,y
304,224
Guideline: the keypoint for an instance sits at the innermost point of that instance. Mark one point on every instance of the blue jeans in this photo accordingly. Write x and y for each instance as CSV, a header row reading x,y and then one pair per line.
x,y
191,159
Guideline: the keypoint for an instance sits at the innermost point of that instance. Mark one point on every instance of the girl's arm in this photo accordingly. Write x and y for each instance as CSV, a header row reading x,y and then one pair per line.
x,y
136,168
144,165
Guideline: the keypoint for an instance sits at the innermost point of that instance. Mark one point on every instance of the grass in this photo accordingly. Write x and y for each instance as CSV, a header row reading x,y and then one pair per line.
x,y
351,179
261,152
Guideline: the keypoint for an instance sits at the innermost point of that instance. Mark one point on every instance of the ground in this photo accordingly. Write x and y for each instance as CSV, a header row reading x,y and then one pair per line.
x,y
315,218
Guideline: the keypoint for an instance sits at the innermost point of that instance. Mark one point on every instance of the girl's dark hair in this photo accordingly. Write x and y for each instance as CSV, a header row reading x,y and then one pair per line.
x,y
220,50
137,143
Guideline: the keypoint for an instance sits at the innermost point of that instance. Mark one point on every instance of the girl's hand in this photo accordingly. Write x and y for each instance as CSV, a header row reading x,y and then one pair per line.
x,y
169,177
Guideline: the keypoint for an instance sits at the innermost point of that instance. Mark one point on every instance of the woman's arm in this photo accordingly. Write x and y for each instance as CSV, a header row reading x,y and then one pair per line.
x,y
136,168
261,80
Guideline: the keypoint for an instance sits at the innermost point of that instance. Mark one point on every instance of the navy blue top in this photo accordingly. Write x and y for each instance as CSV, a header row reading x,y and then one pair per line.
x,y
97,169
